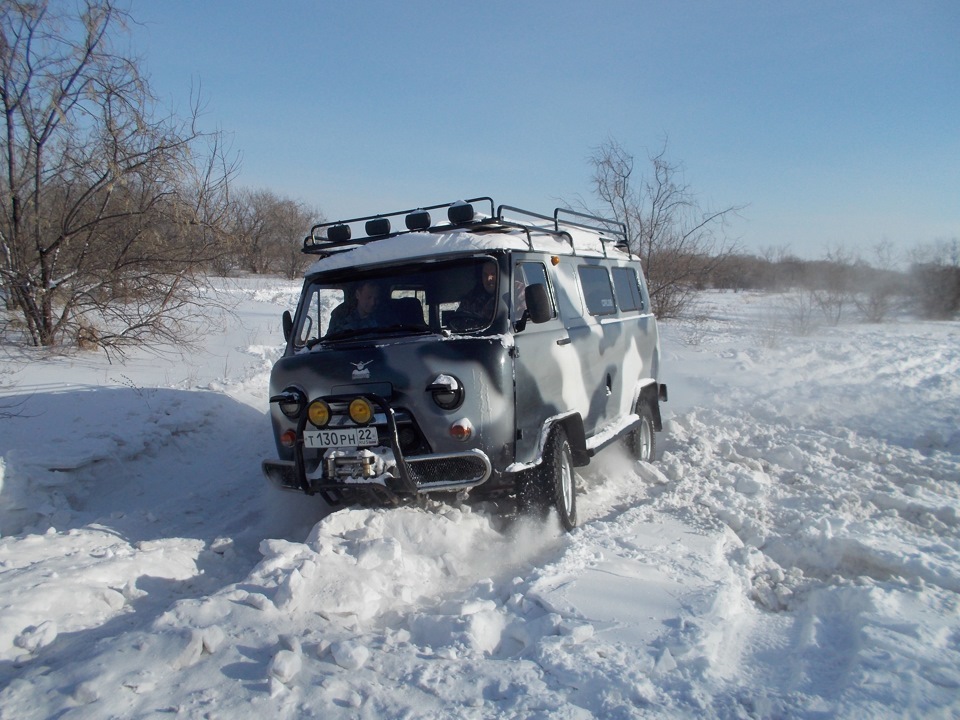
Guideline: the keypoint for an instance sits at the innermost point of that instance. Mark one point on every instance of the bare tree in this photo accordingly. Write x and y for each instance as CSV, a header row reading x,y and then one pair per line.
x,y
832,288
935,275
107,211
268,232
879,284
680,243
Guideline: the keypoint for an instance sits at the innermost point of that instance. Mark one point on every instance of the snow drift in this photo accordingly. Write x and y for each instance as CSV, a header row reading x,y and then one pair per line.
x,y
795,552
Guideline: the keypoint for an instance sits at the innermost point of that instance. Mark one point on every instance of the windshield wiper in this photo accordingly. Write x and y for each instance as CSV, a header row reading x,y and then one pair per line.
x,y
357,332
405,327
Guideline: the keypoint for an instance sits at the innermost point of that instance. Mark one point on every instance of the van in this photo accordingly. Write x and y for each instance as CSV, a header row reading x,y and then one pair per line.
x,y
488,353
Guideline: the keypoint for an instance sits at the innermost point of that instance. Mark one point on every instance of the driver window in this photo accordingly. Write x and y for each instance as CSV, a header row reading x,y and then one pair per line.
x,y
525,274
309,320
316,314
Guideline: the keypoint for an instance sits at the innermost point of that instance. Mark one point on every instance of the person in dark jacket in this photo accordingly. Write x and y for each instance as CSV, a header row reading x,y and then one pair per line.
x,y
358,311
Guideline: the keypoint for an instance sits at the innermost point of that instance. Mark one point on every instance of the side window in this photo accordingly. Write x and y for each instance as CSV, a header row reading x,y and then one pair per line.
x,y
315,317
597,291
627,287
309,320
526,274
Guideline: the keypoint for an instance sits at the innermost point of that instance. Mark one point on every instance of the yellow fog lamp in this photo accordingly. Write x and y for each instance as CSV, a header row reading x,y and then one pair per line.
x,y
318,413
361,411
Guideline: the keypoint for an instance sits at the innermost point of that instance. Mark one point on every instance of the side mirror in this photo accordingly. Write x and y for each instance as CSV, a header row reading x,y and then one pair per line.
x,y
538,303
287,325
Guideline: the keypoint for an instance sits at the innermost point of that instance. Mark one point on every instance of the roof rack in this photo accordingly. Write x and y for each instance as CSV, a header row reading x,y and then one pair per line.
x,y
331,237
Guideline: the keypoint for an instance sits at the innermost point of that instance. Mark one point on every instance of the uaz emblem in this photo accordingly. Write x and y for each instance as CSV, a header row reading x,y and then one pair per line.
x,y
361,370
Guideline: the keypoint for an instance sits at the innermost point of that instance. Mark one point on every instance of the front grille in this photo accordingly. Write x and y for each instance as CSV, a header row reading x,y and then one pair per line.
x,y
449,471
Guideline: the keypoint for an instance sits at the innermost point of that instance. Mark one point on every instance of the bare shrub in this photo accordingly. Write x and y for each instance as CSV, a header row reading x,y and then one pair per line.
x,y
110,213
935,280
680,243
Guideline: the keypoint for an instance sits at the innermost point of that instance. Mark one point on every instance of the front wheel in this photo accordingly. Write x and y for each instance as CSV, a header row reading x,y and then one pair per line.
x,y
551,484
641,442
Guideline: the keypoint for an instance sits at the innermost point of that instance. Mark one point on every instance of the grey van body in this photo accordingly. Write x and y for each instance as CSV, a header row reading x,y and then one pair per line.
x,y
499,354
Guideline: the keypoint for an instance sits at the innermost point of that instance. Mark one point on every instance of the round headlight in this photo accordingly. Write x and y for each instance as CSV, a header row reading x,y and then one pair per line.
x,y
318,412
447,391
291,402
361,411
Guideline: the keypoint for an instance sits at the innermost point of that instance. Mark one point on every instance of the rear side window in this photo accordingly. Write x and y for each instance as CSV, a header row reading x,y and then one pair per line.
x,y
627,287
597,291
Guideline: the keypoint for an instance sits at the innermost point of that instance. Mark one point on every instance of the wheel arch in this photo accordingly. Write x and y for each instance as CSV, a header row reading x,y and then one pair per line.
x,y
648,391
572,424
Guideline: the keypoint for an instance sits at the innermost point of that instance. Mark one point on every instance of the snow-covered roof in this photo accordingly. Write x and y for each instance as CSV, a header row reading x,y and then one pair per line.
x,y
566,232
418,245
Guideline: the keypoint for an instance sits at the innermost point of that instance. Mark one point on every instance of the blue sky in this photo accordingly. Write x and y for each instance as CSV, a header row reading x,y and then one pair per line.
x,y
833,123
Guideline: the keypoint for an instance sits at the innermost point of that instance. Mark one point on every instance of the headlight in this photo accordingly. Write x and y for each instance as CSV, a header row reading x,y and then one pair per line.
x,y
318,413
291,402
447,391
360,411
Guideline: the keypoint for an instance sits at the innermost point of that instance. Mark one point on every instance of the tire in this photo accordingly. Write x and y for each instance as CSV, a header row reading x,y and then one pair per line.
x,y
551,484
641,442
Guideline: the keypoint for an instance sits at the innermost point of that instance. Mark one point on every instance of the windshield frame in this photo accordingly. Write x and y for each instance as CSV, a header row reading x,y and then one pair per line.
x,y
414,298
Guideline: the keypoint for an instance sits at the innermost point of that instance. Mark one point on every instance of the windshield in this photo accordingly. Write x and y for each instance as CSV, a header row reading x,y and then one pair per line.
x,y
454,297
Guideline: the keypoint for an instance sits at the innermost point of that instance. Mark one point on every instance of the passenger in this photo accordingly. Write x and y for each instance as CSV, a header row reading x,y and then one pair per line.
x,y
358,311
481,300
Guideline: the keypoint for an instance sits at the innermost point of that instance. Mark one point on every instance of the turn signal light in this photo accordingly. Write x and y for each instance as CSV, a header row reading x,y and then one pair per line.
x,y
361,411
289,438
461,430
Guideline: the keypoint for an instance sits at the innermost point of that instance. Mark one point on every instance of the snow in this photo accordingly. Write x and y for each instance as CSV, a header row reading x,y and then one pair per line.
x,y
413,245
794,553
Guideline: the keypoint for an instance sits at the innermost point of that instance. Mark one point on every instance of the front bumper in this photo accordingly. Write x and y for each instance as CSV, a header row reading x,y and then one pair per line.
x,y
383,470
440,472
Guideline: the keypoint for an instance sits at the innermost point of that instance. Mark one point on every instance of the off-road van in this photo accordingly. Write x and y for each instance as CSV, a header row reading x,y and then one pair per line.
x,y
492,352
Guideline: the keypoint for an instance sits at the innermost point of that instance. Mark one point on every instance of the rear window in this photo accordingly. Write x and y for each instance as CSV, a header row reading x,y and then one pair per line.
x,y
627,287
597,291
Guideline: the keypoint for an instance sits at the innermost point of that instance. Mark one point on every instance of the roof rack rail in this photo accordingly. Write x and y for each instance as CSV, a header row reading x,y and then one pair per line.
x,y
330,237
339,235
601,225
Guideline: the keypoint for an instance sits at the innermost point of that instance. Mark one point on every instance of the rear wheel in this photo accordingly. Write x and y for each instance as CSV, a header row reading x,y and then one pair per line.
x,y
641,442
551,484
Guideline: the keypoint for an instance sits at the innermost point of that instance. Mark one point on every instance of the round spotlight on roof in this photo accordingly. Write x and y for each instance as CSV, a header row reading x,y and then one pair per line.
x,y
337,233
418,220
378,226
460,212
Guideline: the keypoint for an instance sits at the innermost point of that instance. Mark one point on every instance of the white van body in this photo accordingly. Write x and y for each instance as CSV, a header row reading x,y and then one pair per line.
x,y
442,388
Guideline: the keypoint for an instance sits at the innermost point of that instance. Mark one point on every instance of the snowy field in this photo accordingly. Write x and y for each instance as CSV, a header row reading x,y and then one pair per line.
x,y
795,553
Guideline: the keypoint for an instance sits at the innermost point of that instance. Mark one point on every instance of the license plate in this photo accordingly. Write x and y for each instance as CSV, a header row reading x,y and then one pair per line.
x,y
341,437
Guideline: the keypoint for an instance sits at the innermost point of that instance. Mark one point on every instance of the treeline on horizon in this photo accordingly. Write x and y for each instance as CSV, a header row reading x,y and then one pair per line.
x,y
113,216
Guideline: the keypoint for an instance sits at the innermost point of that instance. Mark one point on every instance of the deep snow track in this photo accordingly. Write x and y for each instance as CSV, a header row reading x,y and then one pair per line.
x,y
794,553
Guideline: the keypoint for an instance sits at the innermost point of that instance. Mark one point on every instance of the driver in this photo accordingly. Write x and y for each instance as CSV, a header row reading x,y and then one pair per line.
x,y
359,309
481,300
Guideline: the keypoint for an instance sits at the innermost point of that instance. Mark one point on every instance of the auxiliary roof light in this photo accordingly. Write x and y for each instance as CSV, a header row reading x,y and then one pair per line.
x,y
418,220
338,233
460,212
378,226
